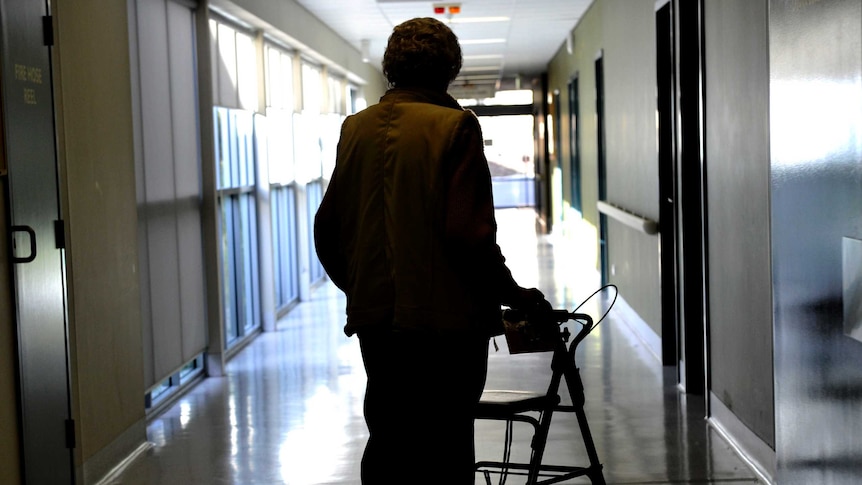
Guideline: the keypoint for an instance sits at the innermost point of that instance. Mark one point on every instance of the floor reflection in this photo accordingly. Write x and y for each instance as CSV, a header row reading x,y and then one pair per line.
x,y
289,410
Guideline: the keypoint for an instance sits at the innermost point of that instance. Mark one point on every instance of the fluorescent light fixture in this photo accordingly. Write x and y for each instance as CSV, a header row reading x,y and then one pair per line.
x,y
481,41
483,56
471,20
364,49
480,68
478,77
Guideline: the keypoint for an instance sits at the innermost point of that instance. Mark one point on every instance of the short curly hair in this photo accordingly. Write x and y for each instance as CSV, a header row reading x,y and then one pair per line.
x,y
422,52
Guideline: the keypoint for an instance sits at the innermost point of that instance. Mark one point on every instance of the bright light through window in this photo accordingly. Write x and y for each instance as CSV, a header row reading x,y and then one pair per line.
x,y
507,97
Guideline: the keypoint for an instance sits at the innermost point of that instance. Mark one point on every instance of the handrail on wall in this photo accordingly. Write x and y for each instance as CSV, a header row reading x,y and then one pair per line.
x,y
642,224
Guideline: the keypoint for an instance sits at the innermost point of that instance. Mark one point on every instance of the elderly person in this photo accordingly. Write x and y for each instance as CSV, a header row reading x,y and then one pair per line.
x,y
406,229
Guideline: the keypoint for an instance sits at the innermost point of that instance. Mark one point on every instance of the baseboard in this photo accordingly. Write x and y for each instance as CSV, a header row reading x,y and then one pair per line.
x,y
641,329
756,452
111,460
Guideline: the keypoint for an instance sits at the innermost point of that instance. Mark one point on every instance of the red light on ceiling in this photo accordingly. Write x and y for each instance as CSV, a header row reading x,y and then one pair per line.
x,y
439,10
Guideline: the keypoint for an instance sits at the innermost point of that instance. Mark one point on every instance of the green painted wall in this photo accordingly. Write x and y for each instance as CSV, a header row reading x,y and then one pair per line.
x,y
623,33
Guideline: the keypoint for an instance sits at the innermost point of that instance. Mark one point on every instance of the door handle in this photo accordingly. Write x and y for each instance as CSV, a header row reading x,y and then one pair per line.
x,y
32,236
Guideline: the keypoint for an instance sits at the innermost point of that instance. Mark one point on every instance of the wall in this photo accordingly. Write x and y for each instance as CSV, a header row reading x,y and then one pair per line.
x,y
632,161
562,68
816,205
737,174
738,218
624,33
94,124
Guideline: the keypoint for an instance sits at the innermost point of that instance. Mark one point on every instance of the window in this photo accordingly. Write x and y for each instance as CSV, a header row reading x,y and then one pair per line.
x,y
234,67
282,176
235,156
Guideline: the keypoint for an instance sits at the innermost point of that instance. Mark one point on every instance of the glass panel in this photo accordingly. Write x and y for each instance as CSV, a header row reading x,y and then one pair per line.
x,y
226,66
244,264
214,53
160,389
223,147
312,89
505,97
247,71
281,166
251,161
244,136
284,245
273,77
291,249
277,264
287,82
235,151
252,273
357,102
329,142
315,195
189,368
509,150
228,270
307,146
336,95
279,78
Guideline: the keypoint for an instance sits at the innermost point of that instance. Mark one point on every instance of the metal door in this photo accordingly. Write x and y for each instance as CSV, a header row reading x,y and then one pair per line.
x,y
665,90
602,168
36,236
690,207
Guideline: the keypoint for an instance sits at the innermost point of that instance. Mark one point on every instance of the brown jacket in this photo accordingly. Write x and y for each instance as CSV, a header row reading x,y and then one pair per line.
x,y
406,227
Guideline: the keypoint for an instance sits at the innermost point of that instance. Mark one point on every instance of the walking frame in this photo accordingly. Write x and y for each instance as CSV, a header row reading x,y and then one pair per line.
x,y
535,333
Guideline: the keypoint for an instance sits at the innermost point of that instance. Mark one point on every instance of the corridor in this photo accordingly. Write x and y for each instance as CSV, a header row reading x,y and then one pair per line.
x,y
289,410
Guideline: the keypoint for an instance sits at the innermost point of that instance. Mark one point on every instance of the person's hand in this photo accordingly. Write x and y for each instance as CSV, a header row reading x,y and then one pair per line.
x,y
529,299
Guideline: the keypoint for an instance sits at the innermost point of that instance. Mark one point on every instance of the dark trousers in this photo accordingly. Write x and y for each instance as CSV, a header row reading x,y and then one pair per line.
x,y
419,406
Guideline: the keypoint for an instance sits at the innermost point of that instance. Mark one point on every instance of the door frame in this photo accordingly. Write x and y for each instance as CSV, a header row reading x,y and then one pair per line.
x,y
682,191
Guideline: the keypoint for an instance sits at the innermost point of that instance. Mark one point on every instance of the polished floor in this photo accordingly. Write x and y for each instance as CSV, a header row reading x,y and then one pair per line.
x,y
289,410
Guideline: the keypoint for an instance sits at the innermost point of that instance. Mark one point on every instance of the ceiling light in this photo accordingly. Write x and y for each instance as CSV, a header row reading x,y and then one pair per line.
x,y
483,56
364,50
478,77
479,68
481,41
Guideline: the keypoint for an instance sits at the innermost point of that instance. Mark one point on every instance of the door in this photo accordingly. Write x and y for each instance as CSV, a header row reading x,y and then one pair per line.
x,y
690,194
682,190
35,235
667,182
575,144
602,167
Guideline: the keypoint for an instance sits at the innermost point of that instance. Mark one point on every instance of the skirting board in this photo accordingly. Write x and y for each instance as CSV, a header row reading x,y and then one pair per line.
x,y
114,458
650,339
759,455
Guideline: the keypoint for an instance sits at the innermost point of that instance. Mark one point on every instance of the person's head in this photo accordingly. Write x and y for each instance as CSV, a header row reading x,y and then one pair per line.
x,y
422,52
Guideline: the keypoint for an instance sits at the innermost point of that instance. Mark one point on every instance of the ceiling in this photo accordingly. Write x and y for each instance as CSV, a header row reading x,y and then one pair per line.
x,y
502,41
